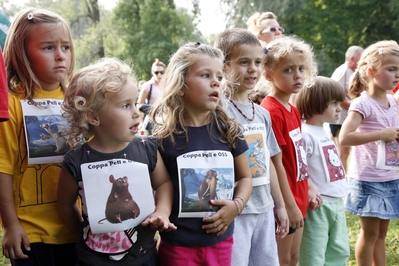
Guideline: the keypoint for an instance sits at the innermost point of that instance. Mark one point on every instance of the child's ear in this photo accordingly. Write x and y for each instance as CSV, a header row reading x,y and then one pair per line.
x,y
370,72
92,119
268,75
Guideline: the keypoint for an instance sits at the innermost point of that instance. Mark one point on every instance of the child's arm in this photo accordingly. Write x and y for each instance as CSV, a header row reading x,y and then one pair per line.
x,y
229,209
314,197
349,136
67,194
293,211
163,187
280,213
14,236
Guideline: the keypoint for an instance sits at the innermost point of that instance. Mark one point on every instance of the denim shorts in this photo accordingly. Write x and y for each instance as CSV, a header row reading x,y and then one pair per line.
x,y
373,199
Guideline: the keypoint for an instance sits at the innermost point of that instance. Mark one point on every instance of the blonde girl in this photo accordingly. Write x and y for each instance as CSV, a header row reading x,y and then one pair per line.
x,y
288,67
372,121
100,104
196,136
39,59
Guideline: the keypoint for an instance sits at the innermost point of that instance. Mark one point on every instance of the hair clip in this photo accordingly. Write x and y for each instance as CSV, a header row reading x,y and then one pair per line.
x,y
265,50
30,16
197,44
381,50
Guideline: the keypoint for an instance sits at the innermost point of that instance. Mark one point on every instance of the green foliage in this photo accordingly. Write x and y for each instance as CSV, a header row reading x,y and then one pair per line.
x,y
151,29
330,26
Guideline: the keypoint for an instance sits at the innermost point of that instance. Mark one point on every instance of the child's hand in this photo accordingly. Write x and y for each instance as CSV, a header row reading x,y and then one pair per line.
x,y
295,217
389,134
314,198
220,221
159,222
283,224
14,238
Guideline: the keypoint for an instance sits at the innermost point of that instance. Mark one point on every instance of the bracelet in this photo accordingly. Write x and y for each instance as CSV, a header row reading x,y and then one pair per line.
x,y
237,197
238,209
241,204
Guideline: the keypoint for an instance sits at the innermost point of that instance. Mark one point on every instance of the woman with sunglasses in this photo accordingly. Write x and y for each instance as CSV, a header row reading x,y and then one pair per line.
x,y
265,26
150,93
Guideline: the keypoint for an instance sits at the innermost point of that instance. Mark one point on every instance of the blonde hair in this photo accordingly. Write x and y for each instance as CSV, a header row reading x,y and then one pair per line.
x,y
280,48
315,99
19,70
253,23
168,114
373,57
89,90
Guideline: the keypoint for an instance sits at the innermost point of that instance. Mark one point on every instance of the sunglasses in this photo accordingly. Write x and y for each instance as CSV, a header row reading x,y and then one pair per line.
x,y
273,29
159,72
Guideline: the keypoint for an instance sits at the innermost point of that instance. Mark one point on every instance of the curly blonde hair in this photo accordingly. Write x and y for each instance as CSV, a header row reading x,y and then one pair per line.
x,y
278,49
89,90
373,57
19,69
168,114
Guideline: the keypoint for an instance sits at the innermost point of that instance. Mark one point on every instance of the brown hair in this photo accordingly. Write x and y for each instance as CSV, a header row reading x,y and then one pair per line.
x,y
315,99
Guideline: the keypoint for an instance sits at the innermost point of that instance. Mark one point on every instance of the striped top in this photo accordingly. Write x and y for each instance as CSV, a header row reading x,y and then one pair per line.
x,y
375,117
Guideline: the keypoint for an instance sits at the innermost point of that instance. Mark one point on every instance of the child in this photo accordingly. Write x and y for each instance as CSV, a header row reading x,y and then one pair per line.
x,y
199,141
289,66
373,121
325,235
101,104
253,244
39,59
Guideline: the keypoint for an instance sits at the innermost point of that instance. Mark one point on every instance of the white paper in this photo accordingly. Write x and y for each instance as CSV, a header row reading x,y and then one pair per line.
x,y
45,131
99,193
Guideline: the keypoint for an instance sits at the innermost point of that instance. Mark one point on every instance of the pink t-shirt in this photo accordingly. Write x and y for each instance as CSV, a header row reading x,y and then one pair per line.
x,y
375,117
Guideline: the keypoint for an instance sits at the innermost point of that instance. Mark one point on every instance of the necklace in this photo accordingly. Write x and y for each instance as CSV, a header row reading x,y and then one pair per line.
x,y
242,113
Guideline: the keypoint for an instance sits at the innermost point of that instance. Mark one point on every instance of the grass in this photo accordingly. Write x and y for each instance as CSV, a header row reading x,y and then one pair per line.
x,y
392,241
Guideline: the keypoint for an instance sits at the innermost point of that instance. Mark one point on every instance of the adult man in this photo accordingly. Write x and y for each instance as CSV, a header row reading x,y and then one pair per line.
x,y
342,74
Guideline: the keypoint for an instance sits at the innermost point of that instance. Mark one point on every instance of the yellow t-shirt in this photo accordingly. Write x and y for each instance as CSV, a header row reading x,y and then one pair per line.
x,y
35,185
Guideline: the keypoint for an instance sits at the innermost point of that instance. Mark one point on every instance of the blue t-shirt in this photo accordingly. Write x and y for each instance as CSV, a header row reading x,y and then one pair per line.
x,y
189,231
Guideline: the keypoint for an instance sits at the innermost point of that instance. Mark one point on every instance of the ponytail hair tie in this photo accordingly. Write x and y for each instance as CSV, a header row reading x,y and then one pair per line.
x,y
30,16
265,50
